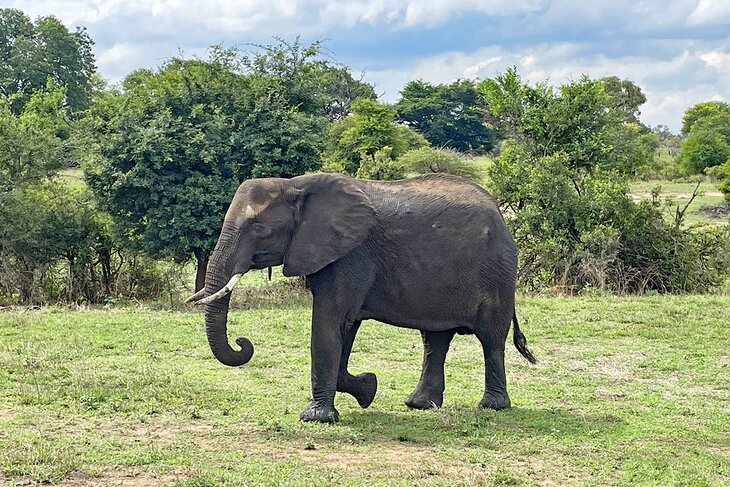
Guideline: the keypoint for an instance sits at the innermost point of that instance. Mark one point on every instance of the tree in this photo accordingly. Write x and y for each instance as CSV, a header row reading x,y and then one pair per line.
x,y
340,90
703,149
563,175
370,128
309,82
579,120
668,141
46,223
381,166
181,141
31,53
700,111
708,142
449,116
625,97
32,143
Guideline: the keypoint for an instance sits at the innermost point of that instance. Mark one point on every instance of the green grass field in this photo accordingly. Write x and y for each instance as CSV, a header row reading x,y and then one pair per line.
x,y
628,391
679,193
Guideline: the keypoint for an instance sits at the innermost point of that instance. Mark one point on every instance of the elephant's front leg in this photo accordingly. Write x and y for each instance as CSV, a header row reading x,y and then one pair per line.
x,y
326,349
363,386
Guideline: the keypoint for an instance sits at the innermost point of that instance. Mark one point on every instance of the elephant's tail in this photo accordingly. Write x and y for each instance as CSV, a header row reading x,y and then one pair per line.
x,y
521,341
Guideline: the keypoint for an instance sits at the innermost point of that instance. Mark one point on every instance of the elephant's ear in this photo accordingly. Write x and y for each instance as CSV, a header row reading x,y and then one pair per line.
x,y
335,216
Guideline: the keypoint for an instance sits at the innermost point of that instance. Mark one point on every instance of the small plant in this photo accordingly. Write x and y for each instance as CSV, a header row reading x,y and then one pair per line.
x,y
309,444
193,412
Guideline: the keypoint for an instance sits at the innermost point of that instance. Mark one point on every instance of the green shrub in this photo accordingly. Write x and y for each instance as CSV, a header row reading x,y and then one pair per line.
x,y
563,179
380,166
703,149
722,173
431,160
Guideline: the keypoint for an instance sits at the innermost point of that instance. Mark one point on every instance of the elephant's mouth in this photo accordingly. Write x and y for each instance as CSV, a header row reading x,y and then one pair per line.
x,y
264,259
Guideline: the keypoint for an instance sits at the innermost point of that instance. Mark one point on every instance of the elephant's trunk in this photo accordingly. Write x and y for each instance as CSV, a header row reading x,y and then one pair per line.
x,y
216,314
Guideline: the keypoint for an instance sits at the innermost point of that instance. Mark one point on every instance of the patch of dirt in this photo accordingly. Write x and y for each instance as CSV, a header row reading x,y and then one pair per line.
x,y
159,429
716,211
687,196
7,413
386,457
114,478
618,366
560,470
645,195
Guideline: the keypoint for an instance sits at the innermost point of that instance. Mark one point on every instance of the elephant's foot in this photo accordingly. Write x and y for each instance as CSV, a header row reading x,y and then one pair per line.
x,y
424,399
362,387
496,402
324,413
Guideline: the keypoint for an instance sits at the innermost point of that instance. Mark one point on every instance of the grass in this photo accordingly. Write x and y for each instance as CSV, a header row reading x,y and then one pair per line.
x,y
679,193
628,391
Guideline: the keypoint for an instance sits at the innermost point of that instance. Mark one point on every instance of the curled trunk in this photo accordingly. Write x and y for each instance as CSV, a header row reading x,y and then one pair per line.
x,y
216,316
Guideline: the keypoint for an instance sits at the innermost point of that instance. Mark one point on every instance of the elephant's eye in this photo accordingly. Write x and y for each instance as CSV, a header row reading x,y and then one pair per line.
x,y
260,230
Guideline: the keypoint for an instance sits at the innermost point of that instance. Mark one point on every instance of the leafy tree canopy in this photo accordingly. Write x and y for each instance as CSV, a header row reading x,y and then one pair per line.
x,y
31,53
702,110
580,121
181,140
708,142
449,116
625,97
370,128
312,84
32,143
563,174
703,149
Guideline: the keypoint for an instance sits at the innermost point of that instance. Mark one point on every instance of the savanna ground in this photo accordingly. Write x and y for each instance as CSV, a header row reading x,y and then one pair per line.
x,y
628,391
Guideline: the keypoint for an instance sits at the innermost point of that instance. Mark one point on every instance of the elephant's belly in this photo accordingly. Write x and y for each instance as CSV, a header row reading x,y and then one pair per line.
x,y
429,305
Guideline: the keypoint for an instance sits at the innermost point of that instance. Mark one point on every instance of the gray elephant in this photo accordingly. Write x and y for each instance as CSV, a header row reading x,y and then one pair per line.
x,y
431,253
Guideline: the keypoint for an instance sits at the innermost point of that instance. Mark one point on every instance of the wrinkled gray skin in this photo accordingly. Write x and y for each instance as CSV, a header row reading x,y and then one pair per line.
x,y
431,253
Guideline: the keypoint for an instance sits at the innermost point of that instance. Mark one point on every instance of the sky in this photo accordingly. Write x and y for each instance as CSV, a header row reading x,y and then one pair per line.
x,y
677,51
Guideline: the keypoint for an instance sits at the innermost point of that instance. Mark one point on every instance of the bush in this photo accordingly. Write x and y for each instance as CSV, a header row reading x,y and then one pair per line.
x,y
380,166
431,160
563,179
722,173
703,149
56,246
371,127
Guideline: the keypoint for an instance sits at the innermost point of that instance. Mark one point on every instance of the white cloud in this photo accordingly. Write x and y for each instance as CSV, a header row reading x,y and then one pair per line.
x,y
712,12
242,16
69,11
717,59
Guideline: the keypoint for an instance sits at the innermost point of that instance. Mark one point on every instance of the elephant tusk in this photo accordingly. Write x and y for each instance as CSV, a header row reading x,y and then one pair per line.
x,y
223,291
196,296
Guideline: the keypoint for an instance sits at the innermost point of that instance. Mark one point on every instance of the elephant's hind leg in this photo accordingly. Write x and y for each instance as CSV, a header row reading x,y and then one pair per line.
x,y
363,386
492,330
429,392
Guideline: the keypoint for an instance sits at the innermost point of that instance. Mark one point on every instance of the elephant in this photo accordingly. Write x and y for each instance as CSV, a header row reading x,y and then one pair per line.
x,y
431,253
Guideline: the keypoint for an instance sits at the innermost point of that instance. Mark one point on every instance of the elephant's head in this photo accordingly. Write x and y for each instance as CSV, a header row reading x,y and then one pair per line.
x,y
304,223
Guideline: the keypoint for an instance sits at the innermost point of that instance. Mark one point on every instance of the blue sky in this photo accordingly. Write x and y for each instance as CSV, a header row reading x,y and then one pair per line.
x,y
678,51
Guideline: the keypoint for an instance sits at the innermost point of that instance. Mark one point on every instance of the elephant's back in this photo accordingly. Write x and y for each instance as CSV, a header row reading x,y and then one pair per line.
x,y
437,201
437,187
